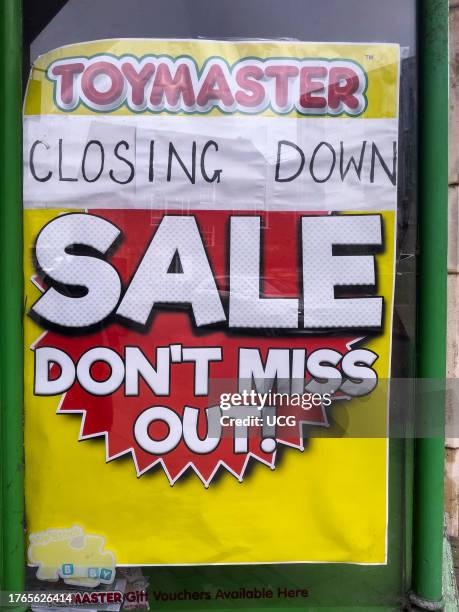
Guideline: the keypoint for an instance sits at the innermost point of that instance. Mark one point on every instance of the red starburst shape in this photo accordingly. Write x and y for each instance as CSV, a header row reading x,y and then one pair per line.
x,y
114,416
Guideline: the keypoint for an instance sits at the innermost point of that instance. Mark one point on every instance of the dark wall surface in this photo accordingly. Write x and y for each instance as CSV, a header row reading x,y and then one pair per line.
x,y
310,20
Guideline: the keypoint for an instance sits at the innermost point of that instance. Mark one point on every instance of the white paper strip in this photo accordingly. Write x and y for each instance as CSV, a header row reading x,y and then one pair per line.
x,y
186,163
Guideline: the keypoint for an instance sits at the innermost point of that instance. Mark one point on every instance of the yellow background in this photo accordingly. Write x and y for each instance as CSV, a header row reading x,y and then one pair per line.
x,y
328,503
325,504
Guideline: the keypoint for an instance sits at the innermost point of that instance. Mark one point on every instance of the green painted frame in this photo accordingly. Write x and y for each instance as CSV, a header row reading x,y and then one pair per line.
x,y
432,290
11,300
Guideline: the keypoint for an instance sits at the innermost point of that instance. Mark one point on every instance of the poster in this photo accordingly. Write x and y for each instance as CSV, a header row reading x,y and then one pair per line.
x,y
209,235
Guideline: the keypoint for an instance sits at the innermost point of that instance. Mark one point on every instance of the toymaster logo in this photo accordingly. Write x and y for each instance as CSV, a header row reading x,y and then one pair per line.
x,y
179,85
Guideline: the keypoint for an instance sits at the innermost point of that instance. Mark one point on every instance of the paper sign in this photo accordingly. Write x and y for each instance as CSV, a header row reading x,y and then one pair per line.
x,y
209,271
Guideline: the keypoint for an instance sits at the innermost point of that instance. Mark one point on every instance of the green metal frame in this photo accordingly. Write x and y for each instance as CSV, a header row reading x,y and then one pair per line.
x,y
432,284
11,306
428,455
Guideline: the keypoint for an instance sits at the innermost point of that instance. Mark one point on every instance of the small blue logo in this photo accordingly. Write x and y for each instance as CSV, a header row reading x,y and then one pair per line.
x,y
93,572
67,569
106,574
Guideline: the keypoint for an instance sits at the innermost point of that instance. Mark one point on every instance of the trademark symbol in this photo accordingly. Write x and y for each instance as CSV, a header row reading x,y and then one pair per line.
x,y
369,57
